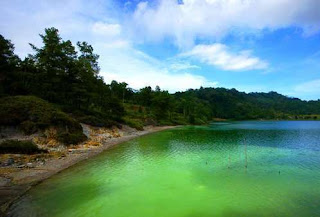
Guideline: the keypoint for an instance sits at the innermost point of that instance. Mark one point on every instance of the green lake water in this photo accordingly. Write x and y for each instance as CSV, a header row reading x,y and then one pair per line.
x,y
192,172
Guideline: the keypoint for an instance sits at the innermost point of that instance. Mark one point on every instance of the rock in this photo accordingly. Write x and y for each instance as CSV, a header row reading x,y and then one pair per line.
x,y
10,161
71,150
30,165
4,181
86,130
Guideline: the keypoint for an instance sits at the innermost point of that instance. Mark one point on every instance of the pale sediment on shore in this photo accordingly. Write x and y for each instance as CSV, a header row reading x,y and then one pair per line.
x,y
15,181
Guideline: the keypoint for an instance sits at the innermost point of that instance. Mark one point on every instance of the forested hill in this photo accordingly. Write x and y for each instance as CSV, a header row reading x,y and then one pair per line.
x,y
67,77
232,104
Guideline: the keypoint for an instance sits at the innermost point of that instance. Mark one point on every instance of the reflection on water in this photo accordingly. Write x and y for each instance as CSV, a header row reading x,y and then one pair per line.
x,y
193,171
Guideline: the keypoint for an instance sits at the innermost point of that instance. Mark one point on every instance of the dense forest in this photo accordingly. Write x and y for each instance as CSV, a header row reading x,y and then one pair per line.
x,y
67,77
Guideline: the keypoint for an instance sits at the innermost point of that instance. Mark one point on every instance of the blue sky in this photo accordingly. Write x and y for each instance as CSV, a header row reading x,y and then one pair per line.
x,y
250,45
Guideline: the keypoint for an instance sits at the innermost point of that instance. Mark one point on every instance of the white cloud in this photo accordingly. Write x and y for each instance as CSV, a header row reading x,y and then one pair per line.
x,y
161,77
23,20
117,43
93,22
216,18
182,65
219,55
100,23
106,29
310,87
139,70
309,90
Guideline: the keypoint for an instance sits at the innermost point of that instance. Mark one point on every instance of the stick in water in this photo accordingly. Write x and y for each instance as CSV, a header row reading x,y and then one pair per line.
x,y
245,153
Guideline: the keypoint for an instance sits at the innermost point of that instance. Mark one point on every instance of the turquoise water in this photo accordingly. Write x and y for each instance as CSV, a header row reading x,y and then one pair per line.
x,y
269,168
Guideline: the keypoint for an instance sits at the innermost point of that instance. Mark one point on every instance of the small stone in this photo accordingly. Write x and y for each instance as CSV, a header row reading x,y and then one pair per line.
x,y
10,161
30,165
71,150
4,181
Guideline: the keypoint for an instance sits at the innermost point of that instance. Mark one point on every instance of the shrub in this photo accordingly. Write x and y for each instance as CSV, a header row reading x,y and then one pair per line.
x,y
134,123
178,119
165,123
19,147
28,127
31,113
94,121
71,138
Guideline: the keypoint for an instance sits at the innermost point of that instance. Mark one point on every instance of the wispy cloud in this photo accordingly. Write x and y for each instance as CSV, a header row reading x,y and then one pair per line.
x,y
93,22
220,56
22,20
139,70
106,29
182,65
121,34
309,87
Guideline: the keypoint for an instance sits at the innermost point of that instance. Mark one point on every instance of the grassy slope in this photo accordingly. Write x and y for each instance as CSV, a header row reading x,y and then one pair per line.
x,y
31,114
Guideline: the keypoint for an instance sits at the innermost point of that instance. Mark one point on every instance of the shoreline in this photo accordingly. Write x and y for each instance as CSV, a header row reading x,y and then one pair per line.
x,y
21,181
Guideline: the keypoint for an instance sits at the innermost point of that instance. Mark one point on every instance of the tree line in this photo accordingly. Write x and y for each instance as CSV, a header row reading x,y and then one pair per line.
x,y
67,76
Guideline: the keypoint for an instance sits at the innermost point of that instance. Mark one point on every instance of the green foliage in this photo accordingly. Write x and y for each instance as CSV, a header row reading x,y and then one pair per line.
x,y
30,114
59,74
18,109
179,119
121,91
19,147
94,121
144,96
28,127
165,123
8,63
161,104
68,138
134,123
232,104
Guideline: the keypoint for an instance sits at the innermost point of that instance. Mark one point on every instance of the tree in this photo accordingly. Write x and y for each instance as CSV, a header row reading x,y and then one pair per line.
x,y
87,59
145,96
8,65
120,90
57,62
161,103
72,80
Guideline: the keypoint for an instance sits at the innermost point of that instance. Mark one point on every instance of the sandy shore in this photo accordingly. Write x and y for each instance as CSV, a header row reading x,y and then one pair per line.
x,y
15,182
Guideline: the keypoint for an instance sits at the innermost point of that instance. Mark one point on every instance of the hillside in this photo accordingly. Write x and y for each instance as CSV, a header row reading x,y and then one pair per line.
x,y
67,77
232,104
